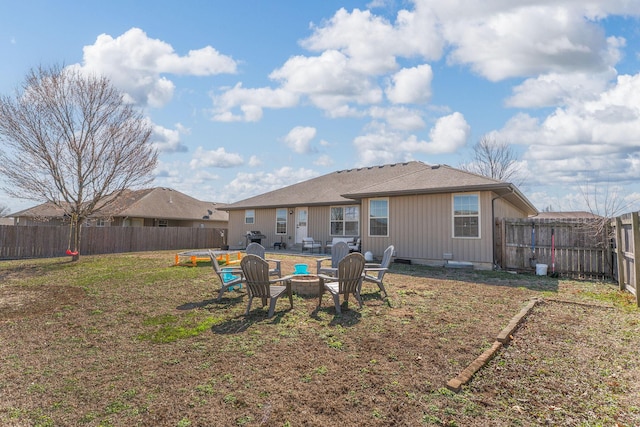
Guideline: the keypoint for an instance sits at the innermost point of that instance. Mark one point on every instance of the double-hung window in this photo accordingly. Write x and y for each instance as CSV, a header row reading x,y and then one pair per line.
x,y
249,216
281,221
379,217
345,220
466,215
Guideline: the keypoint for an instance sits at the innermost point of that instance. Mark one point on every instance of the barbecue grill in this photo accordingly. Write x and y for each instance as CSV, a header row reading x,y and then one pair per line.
x,y
254,236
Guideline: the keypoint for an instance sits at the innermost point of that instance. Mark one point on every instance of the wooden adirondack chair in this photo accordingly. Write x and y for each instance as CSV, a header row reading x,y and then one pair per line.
x,y
378,270
257,249
348,280
256,276
230,278
338,251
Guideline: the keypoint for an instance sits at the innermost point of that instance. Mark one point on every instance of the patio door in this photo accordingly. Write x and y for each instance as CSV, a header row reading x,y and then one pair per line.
x,y
301,224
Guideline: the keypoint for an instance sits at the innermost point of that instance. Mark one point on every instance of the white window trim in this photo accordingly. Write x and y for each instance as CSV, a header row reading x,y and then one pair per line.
x,y
453,217
247,216
286,221
369,217
343,220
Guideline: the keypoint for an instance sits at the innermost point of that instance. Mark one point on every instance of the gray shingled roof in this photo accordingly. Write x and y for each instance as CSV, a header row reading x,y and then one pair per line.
x,y
156,202
568,215
345,186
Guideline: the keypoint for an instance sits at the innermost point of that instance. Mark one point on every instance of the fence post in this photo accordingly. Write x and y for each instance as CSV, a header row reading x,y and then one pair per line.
x,y
635,233
620,253
503,243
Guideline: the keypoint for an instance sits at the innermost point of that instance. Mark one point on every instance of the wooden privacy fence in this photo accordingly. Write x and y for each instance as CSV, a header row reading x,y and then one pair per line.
x,y
571,247
43,241
626,230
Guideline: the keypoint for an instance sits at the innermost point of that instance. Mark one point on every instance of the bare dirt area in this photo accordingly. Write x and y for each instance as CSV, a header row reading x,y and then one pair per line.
x,y
124,340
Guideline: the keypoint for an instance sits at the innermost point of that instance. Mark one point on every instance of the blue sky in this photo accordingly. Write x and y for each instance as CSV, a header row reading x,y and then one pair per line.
x,y
251,96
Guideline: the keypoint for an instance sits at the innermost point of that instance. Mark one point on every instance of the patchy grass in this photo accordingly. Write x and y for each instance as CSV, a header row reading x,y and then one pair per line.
x,y
131,339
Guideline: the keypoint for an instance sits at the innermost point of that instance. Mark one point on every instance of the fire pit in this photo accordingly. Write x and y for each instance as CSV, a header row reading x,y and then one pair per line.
x,y
305,285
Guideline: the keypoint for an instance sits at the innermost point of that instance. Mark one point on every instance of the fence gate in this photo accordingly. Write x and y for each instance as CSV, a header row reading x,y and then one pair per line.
x,y
570,247
627,239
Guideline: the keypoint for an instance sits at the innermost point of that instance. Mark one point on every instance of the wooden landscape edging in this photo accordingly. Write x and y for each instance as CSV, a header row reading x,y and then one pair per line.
x,y
455,384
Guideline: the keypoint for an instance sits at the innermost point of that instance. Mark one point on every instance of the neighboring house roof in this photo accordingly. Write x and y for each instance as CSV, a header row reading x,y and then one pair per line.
x,y
345,186
567,215
158,202
6,220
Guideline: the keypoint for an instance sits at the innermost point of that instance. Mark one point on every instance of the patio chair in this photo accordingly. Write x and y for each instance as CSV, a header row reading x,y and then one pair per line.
x,y
230,277
257,249
311,244
256,275
378,270
338,251
348,280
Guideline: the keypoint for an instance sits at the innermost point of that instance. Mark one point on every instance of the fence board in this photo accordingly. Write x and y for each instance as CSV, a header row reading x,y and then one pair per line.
x,y
567,246
45,241
627,243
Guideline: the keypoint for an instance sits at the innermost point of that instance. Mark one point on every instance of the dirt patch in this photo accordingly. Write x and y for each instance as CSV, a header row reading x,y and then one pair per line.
x,y
20,301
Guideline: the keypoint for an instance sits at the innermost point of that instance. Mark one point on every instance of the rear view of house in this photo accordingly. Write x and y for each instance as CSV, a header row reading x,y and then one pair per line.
x,y
431,214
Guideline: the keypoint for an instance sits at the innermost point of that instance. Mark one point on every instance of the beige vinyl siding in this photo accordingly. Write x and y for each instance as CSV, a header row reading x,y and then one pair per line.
x,y
503,209
421,229
265,222
318,226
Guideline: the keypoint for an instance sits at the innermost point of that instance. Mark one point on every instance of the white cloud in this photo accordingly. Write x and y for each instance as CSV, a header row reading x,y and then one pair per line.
x,y
135,64
356,50
299,139
559,89
372,43
324,160
254,161
329,80
508,39
449,134
218,158
575,142
400,118
251,102
411,85
168,140
246,185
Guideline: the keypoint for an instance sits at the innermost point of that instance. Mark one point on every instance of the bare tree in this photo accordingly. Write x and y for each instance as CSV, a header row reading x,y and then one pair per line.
x,y
494,159
4,210
604,202
70,139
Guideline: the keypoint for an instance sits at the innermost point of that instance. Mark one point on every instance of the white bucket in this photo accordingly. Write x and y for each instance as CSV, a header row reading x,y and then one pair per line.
x,y
541,269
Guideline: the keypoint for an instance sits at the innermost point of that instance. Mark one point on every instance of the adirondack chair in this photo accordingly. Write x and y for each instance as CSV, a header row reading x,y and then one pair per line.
x,y
338,251
378,270
229,279
256,275
348,280
257,249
